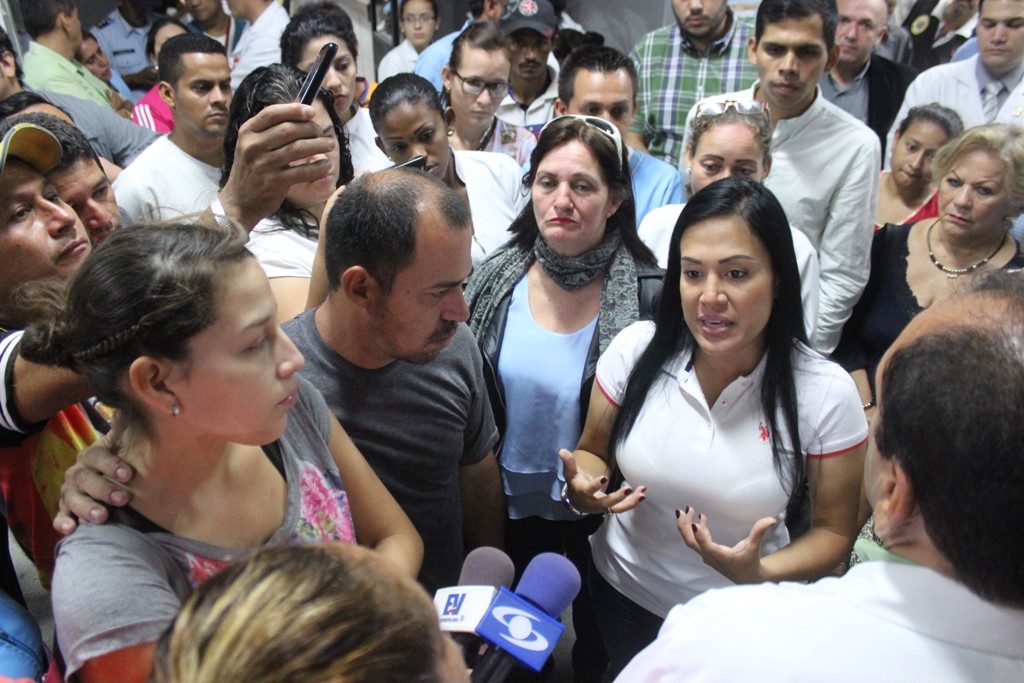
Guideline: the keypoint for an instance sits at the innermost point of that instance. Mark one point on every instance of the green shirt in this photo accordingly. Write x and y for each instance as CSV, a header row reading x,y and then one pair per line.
x,y
673,76
47,70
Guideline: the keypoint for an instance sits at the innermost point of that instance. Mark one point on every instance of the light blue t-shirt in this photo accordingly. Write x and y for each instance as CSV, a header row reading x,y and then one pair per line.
x,y
435,56
655,183
541,372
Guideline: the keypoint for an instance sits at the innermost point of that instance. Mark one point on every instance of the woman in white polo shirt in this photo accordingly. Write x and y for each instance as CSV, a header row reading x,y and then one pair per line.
x,y
716,414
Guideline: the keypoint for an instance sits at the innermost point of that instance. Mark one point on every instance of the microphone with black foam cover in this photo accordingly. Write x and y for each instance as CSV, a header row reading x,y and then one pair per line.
x,y
460,608
523,627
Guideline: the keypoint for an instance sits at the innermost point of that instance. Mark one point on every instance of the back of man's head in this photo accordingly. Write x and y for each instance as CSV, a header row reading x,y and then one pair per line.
x,y
40,16
73,143
775,11
373,222
952,417
171,65
597,58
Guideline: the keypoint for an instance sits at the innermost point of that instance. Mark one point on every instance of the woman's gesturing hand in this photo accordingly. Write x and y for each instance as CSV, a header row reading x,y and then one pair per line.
x,y
586,492
741,563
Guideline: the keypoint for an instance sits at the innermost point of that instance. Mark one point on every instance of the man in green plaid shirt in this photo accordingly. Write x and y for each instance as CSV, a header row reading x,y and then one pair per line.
x,y
703,54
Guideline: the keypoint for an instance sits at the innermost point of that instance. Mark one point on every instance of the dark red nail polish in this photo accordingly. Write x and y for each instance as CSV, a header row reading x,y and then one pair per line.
x,y
687,510
679,513
694,526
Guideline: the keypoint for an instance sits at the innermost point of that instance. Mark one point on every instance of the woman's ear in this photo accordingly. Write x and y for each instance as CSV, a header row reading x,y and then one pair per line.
x,y
148,379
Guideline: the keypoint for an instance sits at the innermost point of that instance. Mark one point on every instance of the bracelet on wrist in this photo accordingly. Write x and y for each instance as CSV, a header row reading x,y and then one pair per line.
x,y
568,503
870,404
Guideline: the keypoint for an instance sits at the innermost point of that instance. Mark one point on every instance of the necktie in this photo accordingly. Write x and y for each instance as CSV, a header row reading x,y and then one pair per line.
x,y
990,100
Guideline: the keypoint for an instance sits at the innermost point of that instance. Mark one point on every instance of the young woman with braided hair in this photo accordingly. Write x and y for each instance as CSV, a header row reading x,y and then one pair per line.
x,y
175,328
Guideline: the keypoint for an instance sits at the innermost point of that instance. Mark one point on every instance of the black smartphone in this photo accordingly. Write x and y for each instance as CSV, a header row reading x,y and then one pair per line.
x,y
317,73
417,162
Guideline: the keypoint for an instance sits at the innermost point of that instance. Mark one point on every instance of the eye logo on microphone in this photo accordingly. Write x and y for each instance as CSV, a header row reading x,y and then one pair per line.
x,y
520,628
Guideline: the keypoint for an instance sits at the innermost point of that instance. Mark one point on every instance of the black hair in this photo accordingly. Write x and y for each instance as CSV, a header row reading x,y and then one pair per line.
x,y
159,24
943,117
170,63
433,6
279,84
567,39
775,11
144,291
74,145
40,16
957,435
7,46
313,21
20,101
614,171
373,222
606,60
401,89
758,208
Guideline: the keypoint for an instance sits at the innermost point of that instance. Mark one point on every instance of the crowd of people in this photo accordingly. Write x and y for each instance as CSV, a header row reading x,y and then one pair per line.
x,y
734,322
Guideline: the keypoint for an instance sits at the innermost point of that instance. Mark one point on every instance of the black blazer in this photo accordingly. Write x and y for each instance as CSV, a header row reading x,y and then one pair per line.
x,y
887,83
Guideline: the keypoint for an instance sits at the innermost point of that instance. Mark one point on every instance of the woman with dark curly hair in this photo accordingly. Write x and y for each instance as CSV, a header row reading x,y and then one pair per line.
x,y
284,243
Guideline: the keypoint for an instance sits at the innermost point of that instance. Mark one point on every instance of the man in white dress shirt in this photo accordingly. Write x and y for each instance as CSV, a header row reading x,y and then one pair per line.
x,y
824,162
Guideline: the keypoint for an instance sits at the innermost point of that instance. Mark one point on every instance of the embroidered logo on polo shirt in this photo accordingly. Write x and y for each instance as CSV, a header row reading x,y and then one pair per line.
x,y
763,430
528,8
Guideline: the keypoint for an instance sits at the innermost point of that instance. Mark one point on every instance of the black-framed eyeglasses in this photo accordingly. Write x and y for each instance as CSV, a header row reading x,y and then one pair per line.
x,y
474,86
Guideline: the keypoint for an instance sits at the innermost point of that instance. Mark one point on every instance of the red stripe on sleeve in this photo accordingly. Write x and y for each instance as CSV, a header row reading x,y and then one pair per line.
x,y
822,456
606,394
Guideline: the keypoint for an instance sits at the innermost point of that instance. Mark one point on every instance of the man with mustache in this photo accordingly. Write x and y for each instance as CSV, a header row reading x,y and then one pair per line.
x,y
179,174
531,102
389,352
824,162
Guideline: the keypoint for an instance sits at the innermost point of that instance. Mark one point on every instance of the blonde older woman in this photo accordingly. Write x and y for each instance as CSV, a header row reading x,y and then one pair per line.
x,y
981,189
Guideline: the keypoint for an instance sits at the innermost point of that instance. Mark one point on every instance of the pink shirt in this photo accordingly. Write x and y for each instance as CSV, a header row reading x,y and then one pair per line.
x,y
153,113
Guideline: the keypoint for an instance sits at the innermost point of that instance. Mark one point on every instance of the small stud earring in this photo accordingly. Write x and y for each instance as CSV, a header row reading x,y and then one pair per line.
x,y
689,170
175,410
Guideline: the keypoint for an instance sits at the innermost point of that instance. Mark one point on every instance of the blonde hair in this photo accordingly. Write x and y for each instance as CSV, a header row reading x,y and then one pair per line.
x,y
758,125
1002,140
317,614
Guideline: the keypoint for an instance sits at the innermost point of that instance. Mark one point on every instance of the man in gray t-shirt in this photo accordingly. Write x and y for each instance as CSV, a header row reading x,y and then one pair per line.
x,y
390,354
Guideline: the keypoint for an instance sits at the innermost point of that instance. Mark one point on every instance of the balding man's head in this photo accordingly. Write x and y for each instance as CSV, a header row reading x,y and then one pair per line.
x,y
951,418
374,221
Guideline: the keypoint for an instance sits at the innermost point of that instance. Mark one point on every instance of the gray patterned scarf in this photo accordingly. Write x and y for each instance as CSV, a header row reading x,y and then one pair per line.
x,y
498,275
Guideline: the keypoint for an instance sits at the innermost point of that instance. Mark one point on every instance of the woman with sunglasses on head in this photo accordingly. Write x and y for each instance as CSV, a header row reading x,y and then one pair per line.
x,y
543,308
285,242
475,82
406,113
731,140
981,190
420,20
313,26
716,414
906,194
175,328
